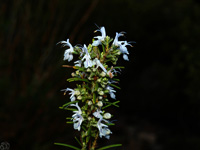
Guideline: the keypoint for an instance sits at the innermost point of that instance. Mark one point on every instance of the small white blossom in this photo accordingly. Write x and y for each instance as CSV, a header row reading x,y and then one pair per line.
x,y
124,50
125,57
97,114
116,42
77,118
88,62
68,52
111,91
107,115
99,64
78,63
99,38
72,93
103,129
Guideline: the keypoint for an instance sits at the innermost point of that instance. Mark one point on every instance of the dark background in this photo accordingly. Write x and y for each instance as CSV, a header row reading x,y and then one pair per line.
x,y
160,86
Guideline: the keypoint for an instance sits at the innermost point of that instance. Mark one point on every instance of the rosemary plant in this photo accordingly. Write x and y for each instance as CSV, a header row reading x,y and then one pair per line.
x,y
96,75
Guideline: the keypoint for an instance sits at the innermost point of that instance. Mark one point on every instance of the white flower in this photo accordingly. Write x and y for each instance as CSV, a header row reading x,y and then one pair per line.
x,y
112,71
72,97
68,52
125,57
116,42
107,115
99,38
111,91
77,118
103,129
88,62
97,114
124,50
78,63
99,64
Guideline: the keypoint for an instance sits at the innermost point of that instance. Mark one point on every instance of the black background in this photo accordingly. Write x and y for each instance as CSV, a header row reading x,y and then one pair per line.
x,y
160,86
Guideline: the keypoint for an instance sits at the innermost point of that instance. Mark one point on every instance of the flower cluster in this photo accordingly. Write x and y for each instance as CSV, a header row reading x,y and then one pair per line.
x,y
95,72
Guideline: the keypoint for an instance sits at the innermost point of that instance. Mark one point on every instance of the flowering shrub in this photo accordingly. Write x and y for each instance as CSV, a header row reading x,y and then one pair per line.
x,y
96,75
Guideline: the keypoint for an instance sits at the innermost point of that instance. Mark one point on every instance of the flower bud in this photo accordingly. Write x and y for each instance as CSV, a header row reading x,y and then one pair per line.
x,y
100,97
94,69
79,97
103,85
89,103
89,78
108,131
77,72
103,74
99,80
101,92
100,104
73,74
118,53
107,115
77,92
88,70
89,118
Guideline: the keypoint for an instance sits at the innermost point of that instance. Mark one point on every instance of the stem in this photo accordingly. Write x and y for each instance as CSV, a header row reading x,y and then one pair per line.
x,y
95,142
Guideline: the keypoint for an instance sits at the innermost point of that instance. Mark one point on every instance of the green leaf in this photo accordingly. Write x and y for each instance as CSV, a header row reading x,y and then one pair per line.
x,y
65,105
78,141
69,118
67,145
79,68
94,98
115,79
103,48
72,109
115,86
109,146
77,79
110,103
116,67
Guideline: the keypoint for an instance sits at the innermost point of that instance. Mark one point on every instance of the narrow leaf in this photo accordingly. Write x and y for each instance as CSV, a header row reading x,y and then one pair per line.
x,y
67,145
77,79
109,146
65,105
119,67
109,104
78,141
115,86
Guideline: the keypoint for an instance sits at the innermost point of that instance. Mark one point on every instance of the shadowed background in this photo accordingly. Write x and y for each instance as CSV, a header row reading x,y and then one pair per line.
x,y
160,86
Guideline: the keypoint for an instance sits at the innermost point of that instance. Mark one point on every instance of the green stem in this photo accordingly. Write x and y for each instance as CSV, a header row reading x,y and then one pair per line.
x,y
95,142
